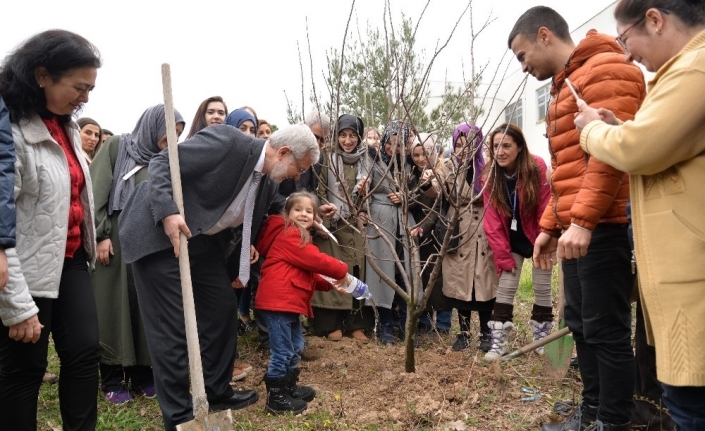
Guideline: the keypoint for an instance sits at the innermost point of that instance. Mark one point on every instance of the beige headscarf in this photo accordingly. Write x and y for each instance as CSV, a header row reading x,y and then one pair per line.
x,y
428,140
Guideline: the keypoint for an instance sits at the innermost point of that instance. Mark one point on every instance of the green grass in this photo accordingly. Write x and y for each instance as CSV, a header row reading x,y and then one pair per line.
x,y
141,414
525,293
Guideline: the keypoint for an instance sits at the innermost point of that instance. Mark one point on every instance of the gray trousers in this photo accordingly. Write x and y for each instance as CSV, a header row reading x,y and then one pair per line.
x,y
158,284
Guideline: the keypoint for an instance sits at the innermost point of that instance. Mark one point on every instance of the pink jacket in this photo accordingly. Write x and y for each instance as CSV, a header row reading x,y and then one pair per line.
x,y
497,225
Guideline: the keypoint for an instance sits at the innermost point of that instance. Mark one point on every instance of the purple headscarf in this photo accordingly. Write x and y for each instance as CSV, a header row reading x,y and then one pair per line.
x,y
470,131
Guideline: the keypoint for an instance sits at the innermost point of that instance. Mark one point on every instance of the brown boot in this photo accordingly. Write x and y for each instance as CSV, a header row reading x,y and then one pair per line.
x,y
336,335
360,336
244,366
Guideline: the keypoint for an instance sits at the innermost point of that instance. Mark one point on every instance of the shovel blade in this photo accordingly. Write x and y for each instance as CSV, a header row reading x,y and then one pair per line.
x,y
559,352
215,421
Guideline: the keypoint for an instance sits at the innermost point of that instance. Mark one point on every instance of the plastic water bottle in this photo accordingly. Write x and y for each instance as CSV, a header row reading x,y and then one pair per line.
x,y
355,287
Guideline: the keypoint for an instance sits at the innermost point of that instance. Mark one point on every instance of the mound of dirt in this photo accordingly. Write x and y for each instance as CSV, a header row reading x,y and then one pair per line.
x,y
364,386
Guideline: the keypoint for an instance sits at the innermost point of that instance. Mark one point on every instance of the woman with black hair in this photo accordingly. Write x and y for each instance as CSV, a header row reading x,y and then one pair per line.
x,y
44,82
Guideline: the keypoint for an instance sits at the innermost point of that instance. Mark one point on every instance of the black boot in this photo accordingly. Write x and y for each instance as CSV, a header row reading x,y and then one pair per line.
x,y
485,341
278,398
386,335
579,420
603,426
305,393
462,342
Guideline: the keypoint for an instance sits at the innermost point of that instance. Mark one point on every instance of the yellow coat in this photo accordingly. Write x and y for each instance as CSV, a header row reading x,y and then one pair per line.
x,y
663,149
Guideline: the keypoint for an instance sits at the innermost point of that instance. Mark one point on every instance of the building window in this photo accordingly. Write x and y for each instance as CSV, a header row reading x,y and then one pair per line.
x,y
543,99
514,113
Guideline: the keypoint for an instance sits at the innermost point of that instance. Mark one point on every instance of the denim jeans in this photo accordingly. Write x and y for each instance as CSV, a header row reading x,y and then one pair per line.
x,y
598,313
286,342
443,319
244,301
686,404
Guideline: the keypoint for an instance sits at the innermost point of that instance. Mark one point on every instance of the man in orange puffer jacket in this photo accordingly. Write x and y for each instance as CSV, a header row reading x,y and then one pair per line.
x,y
585,221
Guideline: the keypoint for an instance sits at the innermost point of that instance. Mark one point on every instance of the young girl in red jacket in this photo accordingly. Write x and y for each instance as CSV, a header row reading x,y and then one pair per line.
x,y
289,278
516,195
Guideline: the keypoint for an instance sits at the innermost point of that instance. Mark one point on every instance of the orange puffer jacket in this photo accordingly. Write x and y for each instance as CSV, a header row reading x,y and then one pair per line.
x,y
586,191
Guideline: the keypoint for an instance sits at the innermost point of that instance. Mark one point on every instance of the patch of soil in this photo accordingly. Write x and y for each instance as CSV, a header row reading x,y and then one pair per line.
x,y
364,386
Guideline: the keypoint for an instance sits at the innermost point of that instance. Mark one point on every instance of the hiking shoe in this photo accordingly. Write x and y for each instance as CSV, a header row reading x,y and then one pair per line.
x,y
541,330
583,415
251,326
119,398
499,334
598,425
149,392
462,342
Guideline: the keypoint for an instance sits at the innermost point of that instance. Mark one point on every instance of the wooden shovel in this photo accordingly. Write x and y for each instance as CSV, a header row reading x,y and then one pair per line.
x,y
536,344
203,421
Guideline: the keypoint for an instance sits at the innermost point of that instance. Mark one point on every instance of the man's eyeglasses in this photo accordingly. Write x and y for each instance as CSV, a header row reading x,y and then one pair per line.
x,y
299,169
321,139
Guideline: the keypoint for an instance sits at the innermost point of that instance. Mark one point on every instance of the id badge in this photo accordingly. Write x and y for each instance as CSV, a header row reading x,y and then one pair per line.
x,y
514,224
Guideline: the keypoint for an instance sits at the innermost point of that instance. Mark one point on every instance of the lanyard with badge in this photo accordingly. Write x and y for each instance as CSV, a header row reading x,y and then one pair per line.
x,y
514,206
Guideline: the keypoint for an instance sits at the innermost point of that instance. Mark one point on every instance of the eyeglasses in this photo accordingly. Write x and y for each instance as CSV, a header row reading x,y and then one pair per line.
x,y
321,140
620,39
299,169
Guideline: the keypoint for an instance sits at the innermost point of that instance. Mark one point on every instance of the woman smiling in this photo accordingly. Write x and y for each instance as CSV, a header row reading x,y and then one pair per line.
x,y
663,149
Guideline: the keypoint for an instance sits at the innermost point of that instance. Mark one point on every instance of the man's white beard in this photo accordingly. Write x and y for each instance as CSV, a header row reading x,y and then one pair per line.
x,y
279,172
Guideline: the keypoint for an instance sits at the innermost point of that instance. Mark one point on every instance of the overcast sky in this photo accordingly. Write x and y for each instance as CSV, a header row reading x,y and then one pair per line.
x,y
246,52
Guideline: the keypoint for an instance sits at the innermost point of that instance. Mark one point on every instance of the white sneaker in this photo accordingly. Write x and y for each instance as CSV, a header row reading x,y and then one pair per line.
x,y
540,330
500,334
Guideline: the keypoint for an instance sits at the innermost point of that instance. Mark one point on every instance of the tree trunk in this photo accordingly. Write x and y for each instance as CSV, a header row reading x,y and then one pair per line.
x,y
412,317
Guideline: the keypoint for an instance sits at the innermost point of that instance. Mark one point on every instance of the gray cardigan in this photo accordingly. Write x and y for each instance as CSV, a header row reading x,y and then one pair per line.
x,y
215,164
